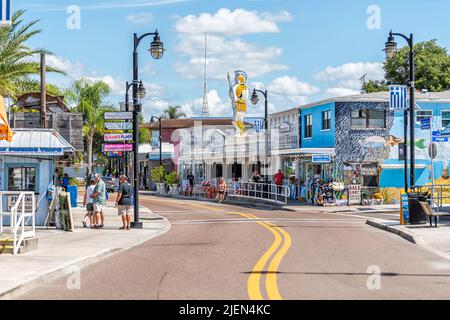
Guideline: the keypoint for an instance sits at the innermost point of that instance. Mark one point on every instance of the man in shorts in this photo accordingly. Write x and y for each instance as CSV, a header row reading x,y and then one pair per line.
x,y
124,202
99,200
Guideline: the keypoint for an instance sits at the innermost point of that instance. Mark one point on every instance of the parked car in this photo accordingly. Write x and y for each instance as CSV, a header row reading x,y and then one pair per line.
x,y
110,183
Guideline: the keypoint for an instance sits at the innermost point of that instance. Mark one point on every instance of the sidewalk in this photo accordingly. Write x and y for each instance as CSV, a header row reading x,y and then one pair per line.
x,y
436,240
298,206
63,253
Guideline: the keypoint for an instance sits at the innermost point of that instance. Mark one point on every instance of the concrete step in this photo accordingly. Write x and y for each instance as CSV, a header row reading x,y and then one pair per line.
x,y
7,245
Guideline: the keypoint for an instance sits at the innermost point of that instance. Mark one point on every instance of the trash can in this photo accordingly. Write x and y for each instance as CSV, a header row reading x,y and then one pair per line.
x,y
416,213
73,191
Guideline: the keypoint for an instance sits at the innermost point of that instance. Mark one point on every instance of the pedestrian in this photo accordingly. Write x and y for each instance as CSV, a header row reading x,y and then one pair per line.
x,y
65,181
256,177
124,202
278,179
222,190
88,202
191,179
99,201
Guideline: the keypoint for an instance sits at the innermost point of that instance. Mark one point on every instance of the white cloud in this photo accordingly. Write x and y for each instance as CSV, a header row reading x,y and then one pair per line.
x,y
339,92
72,69
351,71
291,86
237,22
143,18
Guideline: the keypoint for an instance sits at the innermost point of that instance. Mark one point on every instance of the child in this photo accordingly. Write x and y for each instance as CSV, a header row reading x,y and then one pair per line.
x,y
89,204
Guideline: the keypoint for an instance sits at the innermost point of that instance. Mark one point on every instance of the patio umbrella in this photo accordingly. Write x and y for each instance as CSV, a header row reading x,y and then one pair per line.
x,y
5,131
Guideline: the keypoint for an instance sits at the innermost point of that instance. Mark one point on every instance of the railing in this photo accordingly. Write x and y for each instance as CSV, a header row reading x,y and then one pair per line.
x,y
439,194
20,215
261,191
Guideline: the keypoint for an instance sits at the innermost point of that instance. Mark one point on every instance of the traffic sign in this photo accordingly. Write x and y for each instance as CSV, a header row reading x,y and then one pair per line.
x,y
117,147
118,115
5,13
398,97
425,124
118,137
118,125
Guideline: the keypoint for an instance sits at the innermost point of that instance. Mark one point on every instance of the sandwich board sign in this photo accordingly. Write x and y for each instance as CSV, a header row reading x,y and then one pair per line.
x,y
354,194
5,13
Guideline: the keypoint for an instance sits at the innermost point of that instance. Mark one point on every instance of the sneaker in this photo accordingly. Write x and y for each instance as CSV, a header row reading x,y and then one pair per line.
x,y
84,224
101,226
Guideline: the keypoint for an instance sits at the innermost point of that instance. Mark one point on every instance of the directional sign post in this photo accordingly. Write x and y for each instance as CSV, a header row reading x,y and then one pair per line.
x,y
118,115
118,125
5,13
110,137
117,147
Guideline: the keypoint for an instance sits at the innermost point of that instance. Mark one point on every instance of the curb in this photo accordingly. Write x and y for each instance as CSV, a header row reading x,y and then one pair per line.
x,y
409,236
71,267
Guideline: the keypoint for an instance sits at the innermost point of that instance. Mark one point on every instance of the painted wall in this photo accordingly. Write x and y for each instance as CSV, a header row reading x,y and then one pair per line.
x,y
320,138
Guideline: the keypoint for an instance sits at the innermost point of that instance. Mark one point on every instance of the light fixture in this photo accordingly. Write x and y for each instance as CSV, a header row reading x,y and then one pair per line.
x,y
141,91
254,98
390,47
157,47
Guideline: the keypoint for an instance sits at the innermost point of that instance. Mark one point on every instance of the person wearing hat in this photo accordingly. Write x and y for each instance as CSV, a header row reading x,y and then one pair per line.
x,y
124,202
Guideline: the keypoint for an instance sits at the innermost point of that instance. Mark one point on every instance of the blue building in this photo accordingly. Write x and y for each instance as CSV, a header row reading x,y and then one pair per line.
x,y
358,137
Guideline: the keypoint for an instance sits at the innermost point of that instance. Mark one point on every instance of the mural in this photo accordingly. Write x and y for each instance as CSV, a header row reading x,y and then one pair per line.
x,y
239,95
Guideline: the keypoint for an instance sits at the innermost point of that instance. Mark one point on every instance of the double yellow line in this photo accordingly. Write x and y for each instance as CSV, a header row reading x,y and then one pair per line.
x,y
279,248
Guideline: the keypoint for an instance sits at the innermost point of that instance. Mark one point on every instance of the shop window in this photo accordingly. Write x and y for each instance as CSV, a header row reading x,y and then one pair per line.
x,y
422,114
369,173
445,118
368,118
22,179
308,126
326,120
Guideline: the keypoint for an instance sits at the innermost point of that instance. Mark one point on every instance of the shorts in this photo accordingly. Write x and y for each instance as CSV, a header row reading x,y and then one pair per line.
x,y
123,209
98,207
90,207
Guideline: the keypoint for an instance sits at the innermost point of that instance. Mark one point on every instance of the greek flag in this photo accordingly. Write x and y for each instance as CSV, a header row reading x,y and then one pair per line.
x,y
398,97
5,13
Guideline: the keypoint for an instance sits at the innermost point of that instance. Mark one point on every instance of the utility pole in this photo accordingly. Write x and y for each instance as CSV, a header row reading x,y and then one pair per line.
x,y
43,93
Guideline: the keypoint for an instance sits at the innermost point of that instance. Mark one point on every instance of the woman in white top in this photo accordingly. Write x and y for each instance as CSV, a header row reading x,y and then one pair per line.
x,y
89,204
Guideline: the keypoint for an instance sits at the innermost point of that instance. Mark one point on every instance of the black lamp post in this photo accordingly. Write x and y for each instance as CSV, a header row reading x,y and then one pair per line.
x,y
391,50
157,52
152,120
255,100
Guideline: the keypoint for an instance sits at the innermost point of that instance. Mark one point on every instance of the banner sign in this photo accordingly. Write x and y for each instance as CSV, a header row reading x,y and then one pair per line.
x,y
36,151
405,207
398,97
321,158
118,147
354,194
118,125
118,137
118,115
425,124
5,13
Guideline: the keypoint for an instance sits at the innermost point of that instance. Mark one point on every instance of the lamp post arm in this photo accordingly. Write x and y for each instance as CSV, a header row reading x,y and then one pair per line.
x,y
138,40
409,40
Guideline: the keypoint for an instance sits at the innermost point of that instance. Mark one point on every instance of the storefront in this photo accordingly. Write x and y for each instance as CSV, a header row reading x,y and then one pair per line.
x,y
27,163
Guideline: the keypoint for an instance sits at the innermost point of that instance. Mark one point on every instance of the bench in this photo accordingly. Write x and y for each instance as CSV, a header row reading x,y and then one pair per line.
x,y
429,212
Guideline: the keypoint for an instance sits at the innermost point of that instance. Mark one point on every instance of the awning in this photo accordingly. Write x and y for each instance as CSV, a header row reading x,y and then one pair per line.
x,y
40,142
5,131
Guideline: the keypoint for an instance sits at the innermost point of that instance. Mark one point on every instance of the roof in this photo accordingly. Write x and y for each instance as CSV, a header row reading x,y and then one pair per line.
x,y
190,122
33,100
42,142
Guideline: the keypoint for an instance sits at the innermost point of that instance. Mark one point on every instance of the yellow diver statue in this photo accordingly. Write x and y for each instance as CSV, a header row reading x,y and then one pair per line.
x,y
239,96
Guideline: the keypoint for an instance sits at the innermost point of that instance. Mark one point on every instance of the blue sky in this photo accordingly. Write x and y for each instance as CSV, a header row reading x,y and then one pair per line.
x,y
301,51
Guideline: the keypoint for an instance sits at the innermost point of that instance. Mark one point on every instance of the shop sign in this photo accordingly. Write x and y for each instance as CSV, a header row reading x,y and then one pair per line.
x,y
118,137
321,158
12,199
118,147
354,193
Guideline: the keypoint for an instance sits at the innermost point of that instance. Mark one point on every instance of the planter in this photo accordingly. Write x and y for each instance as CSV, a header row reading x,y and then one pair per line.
x,y
173,189
161,188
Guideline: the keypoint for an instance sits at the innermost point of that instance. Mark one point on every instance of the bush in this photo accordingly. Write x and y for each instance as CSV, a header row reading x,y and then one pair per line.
x,y
158,174
74,182
172,178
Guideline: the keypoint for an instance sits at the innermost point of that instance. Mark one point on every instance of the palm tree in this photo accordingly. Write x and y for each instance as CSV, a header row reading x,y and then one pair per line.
x,y
87,97
16,59
172,112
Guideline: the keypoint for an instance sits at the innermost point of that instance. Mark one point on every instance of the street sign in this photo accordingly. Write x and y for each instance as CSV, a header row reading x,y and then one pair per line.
x,y
425,124
118,115
5,13
436,137
117,147
321,158
118,125
354,194
432,150
398,97
118,137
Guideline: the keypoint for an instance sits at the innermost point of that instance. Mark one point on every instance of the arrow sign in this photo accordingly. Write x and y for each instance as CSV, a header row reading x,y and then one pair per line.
x,y
118,125
118,137
118,115
5,13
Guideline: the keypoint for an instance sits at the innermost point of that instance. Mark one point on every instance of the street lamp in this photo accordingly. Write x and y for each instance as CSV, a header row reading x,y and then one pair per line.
x,y
152,120
390,50
255,99
157,52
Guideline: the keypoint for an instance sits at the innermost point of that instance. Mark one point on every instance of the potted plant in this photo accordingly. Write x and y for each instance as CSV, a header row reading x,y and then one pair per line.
x,y
172,180
158,176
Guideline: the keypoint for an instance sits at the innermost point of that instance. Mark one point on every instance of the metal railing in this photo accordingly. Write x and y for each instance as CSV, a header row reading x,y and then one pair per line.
x,y
22,222
261,191
439,195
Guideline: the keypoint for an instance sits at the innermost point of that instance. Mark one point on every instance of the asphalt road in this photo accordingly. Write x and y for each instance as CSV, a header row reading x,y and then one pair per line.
x,y
228,252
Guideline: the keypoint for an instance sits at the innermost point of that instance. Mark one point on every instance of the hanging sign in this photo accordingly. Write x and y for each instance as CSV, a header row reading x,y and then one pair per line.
x,y
118,137
118,115
118,125
398,97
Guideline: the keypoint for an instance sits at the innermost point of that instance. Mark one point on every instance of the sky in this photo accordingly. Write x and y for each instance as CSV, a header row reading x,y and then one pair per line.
x,y
300,51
